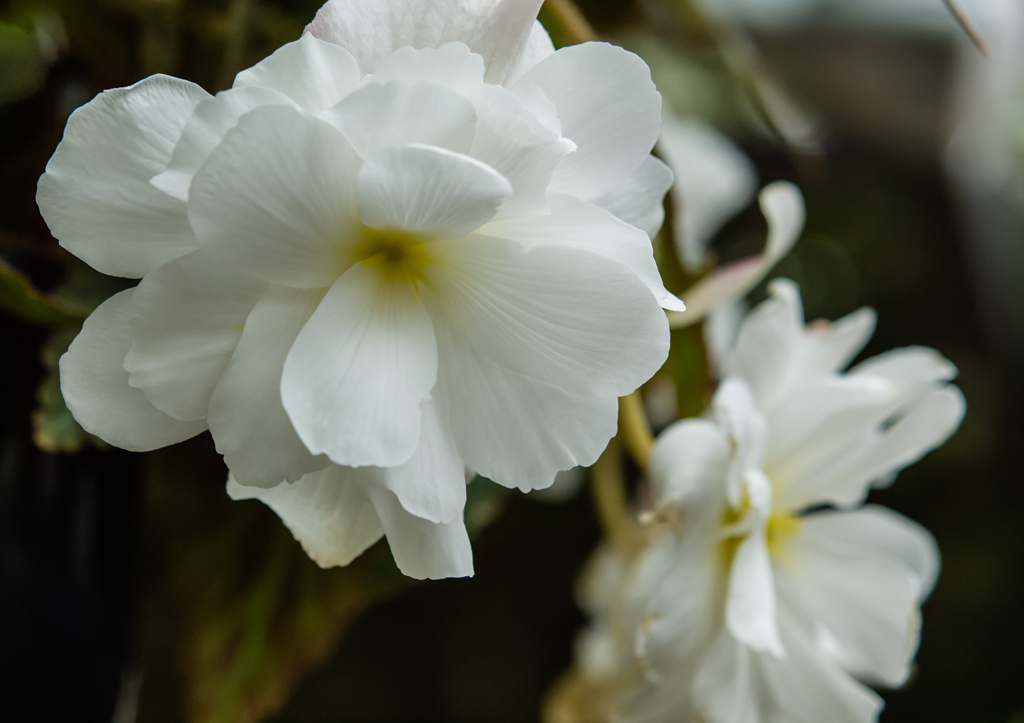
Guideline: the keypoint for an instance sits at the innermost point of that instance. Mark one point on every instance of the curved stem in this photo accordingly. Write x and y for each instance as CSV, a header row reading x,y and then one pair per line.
x,y
634,429
613,509
570,21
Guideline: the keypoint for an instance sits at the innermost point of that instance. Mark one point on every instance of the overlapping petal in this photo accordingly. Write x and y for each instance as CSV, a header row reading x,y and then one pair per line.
x,y
640,199
115,220
95,385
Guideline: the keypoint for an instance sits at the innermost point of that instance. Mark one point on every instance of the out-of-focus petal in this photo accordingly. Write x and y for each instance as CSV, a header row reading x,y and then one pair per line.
x,y
499,30
95,195
608,106
688,457
188,317
714,181
359,370
751,607
286,214
783,207
95,385
327,511
247,418
430,191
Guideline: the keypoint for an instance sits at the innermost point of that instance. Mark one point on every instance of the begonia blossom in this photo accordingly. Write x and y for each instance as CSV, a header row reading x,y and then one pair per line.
x,y
413,241
769,592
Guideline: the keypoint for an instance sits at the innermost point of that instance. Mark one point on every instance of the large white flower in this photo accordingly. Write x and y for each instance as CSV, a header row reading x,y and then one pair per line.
x,y
772,595
385,254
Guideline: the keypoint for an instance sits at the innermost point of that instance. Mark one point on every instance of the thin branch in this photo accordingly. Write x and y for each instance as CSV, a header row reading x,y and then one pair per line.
x,y
968,26
613,510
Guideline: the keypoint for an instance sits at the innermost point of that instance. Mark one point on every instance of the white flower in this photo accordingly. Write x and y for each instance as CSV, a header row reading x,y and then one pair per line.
x,y
773,595
384,255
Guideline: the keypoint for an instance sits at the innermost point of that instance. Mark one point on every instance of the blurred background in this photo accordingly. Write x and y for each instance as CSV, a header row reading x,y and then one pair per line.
x,y
132,589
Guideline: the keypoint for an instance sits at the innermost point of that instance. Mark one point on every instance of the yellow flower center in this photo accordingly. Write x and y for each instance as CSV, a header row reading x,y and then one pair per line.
x,y
398,255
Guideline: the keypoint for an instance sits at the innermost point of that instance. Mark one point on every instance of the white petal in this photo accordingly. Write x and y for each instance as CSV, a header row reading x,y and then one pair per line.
x,y
690,457
452,65
879,531
714,181
911,367
247,419
95,385
567,317
95,194
512,140
188,317
276,199
577,224
783,207
866,600
359,370
640,199
805,688
378,116
751,607
515,429
432,484
538,47
769,345
313,73
725,688
210,122
830,348
496,29
328,513
422,549
608,107
878,455
736,412
427,190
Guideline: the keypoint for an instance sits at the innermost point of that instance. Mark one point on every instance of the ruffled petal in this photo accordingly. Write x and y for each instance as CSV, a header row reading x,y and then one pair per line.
x,y
690,459
95,385
210,122
432,484
783,207
315,74
359,370
247,418
188,317
378,116
538,47
640,199
499,30
276,199
751,607
577,224
608,107
328,513
422,549
95,195
430,191
452,65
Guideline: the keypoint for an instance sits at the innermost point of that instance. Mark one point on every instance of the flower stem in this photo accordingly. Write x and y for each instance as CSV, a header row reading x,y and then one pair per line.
x,y
613,509
634,429
968,26
571,22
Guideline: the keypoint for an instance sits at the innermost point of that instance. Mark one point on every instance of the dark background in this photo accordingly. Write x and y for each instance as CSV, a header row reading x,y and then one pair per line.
x,y
82,546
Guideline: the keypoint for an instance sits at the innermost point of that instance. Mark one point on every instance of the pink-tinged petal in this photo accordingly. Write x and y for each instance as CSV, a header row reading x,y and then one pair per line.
x,y
783,208
360,369
95,385
95,195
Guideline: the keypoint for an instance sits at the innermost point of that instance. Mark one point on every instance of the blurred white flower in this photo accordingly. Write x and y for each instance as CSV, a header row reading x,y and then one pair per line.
x,y
385,254
772,595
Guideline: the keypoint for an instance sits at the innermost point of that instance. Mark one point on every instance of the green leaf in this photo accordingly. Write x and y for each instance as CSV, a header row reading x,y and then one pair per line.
x,y
19,297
